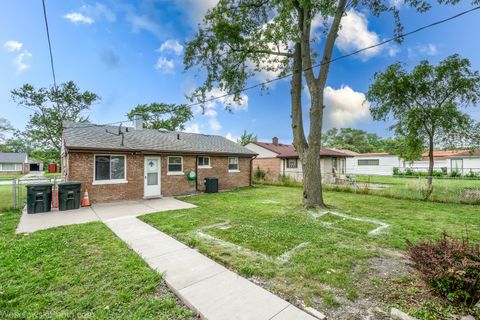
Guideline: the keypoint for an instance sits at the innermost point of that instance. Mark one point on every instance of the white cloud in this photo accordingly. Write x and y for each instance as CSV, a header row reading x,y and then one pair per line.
x,y
77,17
214,124
165,65
21,61
224,101
143,22
344,107
196,9
354,35
171,45
428,49
231,137
193,128
13,45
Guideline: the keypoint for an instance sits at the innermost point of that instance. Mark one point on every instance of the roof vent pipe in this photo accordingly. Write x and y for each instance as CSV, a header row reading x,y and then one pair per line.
x,y
178,136
138,121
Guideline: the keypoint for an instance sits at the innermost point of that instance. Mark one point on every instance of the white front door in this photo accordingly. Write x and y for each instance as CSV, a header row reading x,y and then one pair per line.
x,y
152,176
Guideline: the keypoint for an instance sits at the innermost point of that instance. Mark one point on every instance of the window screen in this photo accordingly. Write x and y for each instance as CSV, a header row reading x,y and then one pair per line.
x,y
232,163
109,167
292,163
369,162
175,164
203,161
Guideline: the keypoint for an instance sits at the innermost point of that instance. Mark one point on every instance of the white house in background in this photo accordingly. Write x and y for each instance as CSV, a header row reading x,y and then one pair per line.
x,y
13,163
464,162
380,164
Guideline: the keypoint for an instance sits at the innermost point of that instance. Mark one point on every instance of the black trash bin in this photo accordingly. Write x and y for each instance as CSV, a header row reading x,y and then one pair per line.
x,y
211,185
69,195
39,197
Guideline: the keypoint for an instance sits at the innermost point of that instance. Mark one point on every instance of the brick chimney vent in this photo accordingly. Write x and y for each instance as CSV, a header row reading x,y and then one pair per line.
x,y
275,141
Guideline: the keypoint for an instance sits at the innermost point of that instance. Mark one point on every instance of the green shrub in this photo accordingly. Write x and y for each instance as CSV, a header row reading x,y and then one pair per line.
x,y
450,266
259,174
396,171
455,174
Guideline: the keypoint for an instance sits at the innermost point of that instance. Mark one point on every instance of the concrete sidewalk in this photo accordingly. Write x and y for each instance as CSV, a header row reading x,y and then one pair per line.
x,y
204,285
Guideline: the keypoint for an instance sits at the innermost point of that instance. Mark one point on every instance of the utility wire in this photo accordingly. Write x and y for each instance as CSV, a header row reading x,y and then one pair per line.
x,y
49,45
400,36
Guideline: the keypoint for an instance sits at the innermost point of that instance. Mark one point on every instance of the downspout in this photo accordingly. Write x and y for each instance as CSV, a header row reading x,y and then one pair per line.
x,y
196,173
251,170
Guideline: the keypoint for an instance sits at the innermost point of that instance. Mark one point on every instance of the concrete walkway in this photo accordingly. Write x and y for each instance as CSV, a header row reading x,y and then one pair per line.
x,y
204,285
208,288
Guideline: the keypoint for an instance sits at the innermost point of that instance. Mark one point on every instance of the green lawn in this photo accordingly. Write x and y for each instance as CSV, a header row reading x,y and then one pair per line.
x,y
81,271
444,190
339,266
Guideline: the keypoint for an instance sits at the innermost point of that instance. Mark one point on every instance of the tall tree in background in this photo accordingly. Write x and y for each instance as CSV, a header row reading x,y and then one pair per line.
x,y
426,103
162,115
246,138
5,126
51,107
241,37
353,139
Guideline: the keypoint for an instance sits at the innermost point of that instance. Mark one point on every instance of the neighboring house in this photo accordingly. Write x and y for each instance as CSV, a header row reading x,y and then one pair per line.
x,y
379,163
464,162
137,163
440,161
35,165
277,159
13,163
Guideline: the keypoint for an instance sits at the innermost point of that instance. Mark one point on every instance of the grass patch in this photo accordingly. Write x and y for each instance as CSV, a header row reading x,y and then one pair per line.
x,y
78,271
270,220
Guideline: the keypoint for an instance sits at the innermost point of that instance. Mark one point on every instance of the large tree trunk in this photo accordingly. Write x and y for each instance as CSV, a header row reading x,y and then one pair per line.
x,y
430,166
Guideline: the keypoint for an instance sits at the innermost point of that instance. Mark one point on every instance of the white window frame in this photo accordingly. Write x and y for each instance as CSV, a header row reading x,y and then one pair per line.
x,y
209,166
238,165
15,165
110,181
296,163
174,173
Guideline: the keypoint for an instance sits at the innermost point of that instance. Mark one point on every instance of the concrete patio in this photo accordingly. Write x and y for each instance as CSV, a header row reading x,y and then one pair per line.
x,y
97,212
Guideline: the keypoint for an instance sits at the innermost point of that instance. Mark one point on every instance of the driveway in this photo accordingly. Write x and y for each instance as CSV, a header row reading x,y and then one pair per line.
x,y
97,212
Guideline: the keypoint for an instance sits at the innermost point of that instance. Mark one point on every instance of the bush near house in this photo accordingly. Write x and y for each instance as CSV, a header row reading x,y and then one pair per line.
x,y
450,266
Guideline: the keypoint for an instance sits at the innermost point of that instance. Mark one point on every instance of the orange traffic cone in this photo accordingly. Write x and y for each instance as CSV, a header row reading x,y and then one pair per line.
x,y
86,200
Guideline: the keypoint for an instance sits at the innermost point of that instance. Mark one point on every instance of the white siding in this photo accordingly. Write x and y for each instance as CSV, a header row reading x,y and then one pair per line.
x,y
384,168
422,165
297,174
262,152
468,164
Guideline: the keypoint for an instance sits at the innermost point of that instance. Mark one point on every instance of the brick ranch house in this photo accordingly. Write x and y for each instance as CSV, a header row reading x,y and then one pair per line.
x,y
134,163
13,163
277,159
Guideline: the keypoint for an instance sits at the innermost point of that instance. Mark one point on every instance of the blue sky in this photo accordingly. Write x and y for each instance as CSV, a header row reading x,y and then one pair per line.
x,y
130,52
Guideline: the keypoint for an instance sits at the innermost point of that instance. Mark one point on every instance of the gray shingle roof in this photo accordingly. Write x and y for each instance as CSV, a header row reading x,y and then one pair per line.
x,y
95,137
12,157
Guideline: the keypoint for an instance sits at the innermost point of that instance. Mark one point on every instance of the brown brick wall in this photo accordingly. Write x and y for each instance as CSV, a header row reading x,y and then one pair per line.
x,y
80,168
271,167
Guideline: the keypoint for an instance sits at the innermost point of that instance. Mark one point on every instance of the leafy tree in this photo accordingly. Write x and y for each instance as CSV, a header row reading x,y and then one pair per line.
x,y
426,103
51,107
5,126
162,115
246,138
19,142
241,37
353,139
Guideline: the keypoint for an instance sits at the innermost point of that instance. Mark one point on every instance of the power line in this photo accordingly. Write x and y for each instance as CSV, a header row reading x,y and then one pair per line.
x,y
400,36
49,45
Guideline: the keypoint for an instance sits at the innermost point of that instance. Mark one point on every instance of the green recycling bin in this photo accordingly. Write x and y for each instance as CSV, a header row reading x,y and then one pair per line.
x,y
39,197
69,195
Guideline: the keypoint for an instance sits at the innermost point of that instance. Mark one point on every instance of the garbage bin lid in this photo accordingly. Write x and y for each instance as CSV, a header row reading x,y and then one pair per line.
x,y
69,183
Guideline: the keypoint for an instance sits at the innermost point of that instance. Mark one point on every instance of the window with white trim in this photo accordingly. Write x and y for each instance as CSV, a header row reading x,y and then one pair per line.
x,y
110,168
292,163
175,164
204,162
11,167
369,162
233,164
